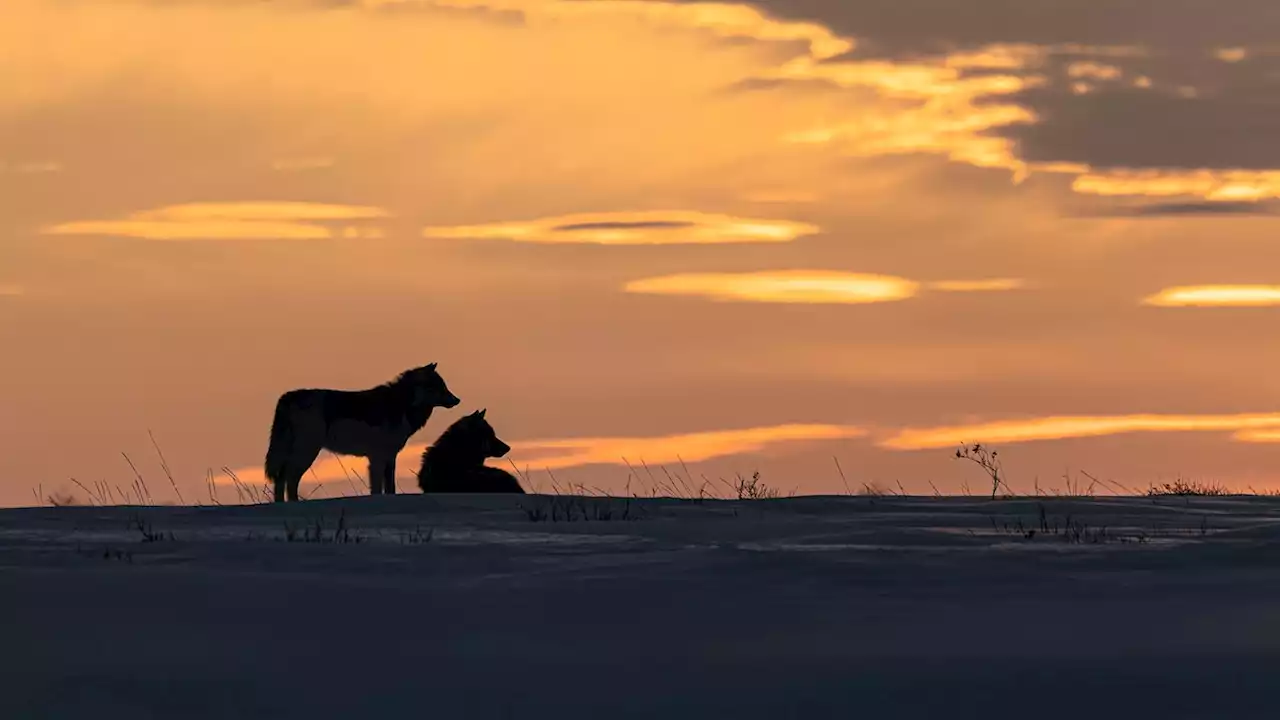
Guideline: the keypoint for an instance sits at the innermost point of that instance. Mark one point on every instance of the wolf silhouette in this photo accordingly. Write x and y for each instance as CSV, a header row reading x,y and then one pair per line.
x,y
455,463
374,424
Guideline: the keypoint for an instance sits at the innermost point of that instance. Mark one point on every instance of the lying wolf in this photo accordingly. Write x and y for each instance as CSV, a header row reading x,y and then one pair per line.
x,y
374,424
455,463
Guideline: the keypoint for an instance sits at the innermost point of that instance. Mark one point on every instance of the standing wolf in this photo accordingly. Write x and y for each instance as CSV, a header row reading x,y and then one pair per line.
x,y
374,424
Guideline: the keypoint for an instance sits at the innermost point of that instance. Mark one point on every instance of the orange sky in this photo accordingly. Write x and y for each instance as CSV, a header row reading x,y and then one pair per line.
x,y
742,236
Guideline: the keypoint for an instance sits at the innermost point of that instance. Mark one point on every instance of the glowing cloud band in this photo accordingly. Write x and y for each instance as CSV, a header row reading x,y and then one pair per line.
x,y
674,227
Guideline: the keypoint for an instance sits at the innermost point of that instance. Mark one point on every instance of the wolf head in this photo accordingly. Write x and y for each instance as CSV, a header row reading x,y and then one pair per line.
x,y
481,433
429,388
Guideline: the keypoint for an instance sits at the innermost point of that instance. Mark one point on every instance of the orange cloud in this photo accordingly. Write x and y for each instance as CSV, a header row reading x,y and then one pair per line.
x,y
555,454
690,447
987,285
1216,296
943,111
1257,435
952,113
1225,185
194,212
674,227
726,20
947,111
232,221
228,230
806,286
781,286
999,56
601,54
10,290
1072,426
1093,71
1231,54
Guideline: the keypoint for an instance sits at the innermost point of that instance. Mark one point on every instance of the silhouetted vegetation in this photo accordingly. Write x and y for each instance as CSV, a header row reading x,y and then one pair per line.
x,y
149,533
1187,488
643,482
315,532
570,508
987,459
1063,528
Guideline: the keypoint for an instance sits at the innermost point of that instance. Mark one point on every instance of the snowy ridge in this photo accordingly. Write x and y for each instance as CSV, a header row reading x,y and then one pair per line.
x,y
483,606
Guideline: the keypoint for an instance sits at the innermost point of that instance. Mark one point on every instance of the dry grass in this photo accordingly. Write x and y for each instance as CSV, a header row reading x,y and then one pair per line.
x,y
642,481
1187,488
138,492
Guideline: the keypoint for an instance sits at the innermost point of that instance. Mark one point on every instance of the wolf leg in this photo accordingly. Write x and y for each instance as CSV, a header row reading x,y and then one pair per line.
x,y
389,476
375,477
294,480
378,473
298,465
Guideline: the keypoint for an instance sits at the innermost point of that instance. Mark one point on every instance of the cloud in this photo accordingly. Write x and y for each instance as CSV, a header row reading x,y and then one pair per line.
x,y
726,20
1043,109
933,107
559,453
1071,426
806,286
1093,70
1257,435
1207,207
987,285
689,447
195,212
1216,185
1231,55
1161,131
672,227
233,221
1216,296
626,94
11,290
781,286
916,27
1003,103
1043,88
955,84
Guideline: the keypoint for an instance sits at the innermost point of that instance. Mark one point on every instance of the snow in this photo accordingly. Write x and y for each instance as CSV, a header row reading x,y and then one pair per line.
x,y
811,607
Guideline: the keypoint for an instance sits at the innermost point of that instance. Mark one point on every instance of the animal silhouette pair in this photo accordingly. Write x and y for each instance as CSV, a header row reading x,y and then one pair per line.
x,y
376,424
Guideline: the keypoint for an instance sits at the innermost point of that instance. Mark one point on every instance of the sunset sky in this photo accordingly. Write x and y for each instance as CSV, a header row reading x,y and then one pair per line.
x,y
748,236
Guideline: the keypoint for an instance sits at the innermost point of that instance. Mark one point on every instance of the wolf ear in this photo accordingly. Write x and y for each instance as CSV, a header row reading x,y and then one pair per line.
x,y
481,413
432,366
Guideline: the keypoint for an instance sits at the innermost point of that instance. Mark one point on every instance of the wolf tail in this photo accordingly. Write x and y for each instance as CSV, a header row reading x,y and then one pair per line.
x,y
281,442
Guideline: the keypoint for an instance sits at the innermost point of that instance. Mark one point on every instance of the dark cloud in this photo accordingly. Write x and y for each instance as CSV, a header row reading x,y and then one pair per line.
x,y
1196,111
896,27
1187,209
1138,128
